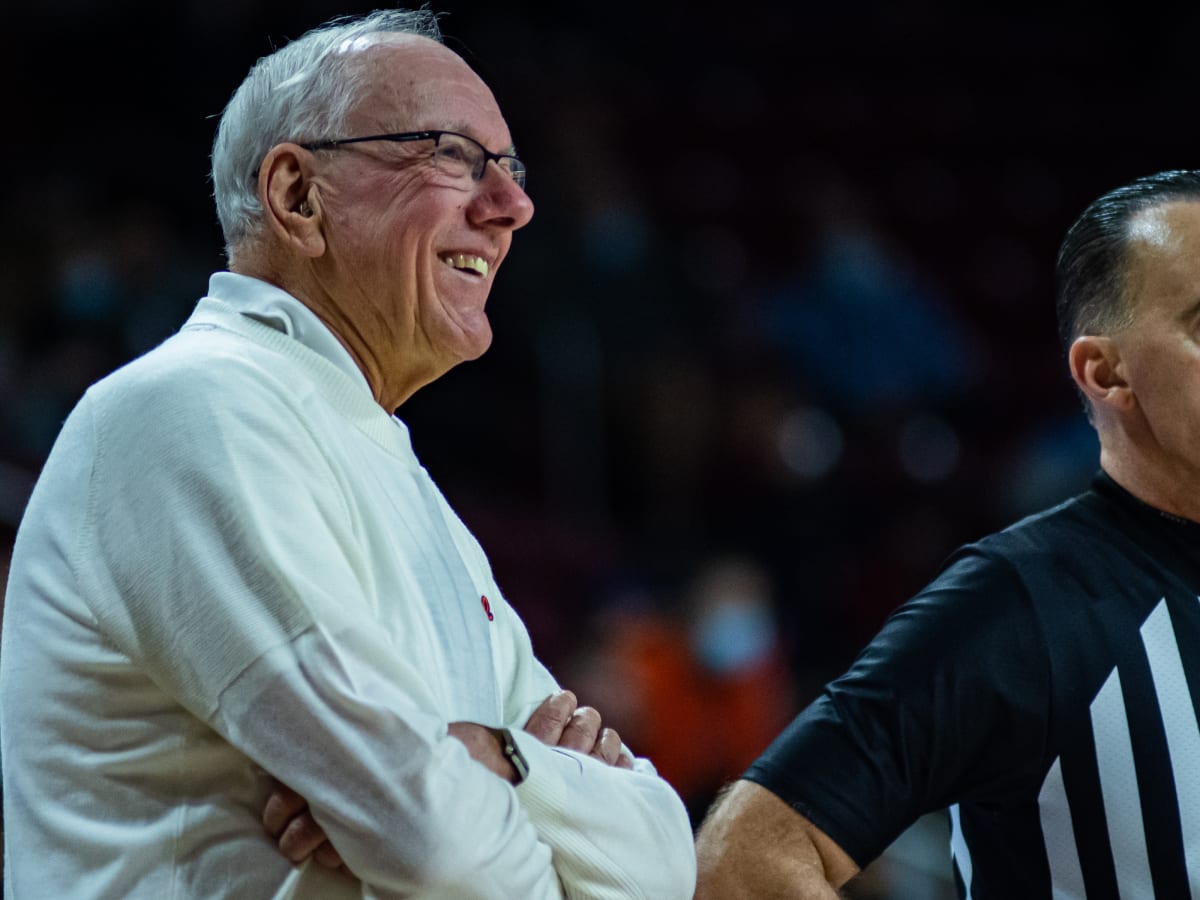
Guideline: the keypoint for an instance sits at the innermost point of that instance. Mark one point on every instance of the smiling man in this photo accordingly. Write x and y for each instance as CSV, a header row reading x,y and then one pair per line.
x,y
234,570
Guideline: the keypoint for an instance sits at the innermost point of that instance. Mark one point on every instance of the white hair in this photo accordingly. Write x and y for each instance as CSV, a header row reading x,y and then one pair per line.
x,y
304,91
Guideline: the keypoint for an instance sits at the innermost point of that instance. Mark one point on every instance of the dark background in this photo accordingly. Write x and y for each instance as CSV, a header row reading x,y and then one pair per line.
x,y
787,299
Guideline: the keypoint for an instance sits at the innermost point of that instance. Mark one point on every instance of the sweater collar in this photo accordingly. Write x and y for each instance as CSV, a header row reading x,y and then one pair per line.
x,y
271,317
277,309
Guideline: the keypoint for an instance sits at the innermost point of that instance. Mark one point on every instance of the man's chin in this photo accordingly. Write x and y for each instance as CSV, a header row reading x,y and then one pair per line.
x,y
474,343
478,353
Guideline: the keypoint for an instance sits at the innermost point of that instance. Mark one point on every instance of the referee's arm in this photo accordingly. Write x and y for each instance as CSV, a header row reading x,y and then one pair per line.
x,y
753,846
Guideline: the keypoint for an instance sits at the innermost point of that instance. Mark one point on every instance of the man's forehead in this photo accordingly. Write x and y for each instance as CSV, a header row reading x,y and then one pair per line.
x,y
419,83
1164,246
1151,227
409,65
1166,226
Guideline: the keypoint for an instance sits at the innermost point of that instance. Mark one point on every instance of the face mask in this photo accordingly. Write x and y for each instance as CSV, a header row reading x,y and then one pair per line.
x,y
730,637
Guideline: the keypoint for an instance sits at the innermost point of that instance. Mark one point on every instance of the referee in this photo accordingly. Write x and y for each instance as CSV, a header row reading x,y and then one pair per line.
x,y
1044,686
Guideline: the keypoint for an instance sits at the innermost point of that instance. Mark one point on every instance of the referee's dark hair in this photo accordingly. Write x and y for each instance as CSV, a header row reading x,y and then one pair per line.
x,y
1090,273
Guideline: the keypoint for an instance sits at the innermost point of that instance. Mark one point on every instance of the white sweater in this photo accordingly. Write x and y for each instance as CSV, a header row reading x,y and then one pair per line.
x,y
232,565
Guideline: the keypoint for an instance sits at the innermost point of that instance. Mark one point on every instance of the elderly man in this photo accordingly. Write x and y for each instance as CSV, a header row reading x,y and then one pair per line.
x,y
233,567
1044,686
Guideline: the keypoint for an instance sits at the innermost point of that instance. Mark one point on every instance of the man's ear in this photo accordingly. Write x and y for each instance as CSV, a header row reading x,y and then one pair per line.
x,y
291,201
1097,367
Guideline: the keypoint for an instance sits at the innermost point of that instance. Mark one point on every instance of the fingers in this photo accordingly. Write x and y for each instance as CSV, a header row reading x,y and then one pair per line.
x,y
283,805
301,838
561,722
609,750
582,730
608,747
551,718
326,856
287,819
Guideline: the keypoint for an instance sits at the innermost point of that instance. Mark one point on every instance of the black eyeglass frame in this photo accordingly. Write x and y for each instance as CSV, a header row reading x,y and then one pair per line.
x,y
516,168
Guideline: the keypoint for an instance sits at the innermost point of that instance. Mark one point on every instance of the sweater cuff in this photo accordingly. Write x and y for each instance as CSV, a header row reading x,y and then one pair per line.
x,y
545,786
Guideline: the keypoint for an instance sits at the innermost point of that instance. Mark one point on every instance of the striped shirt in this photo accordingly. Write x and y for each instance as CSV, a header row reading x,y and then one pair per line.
x,y
1043,689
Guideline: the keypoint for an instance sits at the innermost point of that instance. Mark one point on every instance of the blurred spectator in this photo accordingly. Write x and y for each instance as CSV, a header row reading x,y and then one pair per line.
x,y
856,319
703,685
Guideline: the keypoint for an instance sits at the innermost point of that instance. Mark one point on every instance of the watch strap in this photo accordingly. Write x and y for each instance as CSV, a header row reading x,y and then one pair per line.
x,y
512,753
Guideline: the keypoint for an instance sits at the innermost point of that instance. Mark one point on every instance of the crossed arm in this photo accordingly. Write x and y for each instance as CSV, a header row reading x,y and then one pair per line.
x,y
558,722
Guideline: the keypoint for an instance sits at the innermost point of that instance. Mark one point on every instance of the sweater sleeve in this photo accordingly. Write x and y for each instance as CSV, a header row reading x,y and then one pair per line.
x,y
615,833
219,555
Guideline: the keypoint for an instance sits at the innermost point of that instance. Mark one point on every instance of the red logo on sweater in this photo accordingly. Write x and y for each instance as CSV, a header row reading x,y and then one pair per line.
x,y
487,608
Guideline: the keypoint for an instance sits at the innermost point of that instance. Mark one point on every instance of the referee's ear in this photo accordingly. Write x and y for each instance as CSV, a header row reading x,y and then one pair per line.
x,y
1096,366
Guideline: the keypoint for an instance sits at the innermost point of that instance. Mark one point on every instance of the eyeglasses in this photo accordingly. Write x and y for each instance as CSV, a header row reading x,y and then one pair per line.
x,y
454,154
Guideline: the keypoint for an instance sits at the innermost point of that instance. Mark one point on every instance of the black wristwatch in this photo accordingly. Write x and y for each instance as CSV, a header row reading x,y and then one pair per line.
x,y
512,753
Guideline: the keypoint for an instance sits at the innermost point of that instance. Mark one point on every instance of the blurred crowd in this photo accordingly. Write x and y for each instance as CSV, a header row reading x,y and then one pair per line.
x,y
779,338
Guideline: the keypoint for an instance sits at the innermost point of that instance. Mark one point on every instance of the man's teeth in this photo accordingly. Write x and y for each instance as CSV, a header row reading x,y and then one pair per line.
x,y
466,261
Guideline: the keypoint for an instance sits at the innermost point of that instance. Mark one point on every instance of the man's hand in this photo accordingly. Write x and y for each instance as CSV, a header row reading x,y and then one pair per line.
x,y
558,722
287,819
561,722
485,748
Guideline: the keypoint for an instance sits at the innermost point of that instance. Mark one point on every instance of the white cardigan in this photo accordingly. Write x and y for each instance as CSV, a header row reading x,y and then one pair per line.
x,y
233,564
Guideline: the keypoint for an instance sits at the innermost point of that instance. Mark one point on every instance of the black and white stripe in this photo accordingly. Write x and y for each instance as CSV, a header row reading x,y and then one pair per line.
x,y
1074,841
